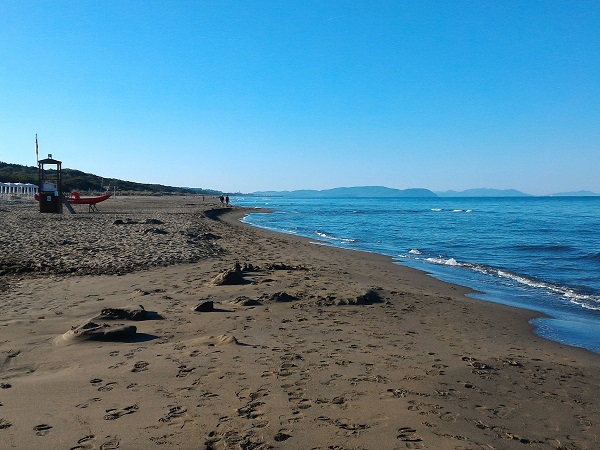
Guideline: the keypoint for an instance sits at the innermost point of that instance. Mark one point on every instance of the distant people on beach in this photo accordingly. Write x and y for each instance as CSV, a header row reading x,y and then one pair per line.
x,y
227,200
222,199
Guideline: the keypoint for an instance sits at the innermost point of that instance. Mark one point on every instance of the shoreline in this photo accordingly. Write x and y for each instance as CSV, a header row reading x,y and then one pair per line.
x,y
316,346
234,218
551,321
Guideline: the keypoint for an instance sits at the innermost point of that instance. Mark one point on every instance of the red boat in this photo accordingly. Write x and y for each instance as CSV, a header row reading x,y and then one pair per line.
x,y
75,199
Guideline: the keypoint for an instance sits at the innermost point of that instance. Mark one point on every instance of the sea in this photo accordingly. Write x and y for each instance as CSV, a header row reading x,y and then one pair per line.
x,y
536,253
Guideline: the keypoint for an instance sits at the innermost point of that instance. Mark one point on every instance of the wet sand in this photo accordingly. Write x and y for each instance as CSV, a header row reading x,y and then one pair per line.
x,y
133,328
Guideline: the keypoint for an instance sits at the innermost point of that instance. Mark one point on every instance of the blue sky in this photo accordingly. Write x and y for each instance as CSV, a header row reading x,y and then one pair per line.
x,y
261,95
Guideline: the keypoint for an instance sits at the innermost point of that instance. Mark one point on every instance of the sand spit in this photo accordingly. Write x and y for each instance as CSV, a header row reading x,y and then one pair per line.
x,y
312,347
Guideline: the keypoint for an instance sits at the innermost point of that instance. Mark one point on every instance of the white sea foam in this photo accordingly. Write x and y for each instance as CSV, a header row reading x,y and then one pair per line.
x,y
583,300
591,302
436,209
333,238
414,251
443,262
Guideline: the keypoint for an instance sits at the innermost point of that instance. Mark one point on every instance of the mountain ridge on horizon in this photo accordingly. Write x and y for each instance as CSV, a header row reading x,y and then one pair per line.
x,y
484,192
75,179
382,191
353,191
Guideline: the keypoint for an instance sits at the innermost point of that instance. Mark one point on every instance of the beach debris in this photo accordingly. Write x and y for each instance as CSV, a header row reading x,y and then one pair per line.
x,y
100,332
512,362
478,367
205,306
283,266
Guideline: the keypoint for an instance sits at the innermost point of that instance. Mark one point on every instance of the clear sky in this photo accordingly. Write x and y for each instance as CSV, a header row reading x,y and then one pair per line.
x,y
281,95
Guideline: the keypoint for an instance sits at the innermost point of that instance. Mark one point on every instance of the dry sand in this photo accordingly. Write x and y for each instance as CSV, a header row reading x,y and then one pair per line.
x,y
116,331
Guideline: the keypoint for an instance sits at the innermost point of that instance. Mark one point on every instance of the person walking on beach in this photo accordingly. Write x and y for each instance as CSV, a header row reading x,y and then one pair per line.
x,y
227,200
221,198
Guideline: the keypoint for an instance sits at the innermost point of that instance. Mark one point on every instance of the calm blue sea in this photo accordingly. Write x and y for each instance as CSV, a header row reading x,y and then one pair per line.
x,y
538,253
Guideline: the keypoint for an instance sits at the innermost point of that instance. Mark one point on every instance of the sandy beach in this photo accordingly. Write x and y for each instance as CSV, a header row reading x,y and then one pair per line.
x,y
164,322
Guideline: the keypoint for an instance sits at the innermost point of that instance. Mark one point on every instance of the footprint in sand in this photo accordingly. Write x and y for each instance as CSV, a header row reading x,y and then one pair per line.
x,y
184,371
117,365
85,405
111,444
140,366
261,424
42,429
107,387
82,443
113,414
89,437
282,435
448,417
303,404
410,436
174,412
250,411
4,424
347,424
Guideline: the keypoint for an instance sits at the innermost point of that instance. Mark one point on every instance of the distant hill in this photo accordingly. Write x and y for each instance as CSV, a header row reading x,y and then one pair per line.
x,y
483,192
350,192
576,194
75,180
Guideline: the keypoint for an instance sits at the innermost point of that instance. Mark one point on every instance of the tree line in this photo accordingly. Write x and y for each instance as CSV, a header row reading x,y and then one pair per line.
x,y
76,180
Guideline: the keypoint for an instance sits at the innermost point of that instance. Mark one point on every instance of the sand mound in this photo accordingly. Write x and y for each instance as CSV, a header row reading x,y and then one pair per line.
x,y
370,297
100,332
230,277
221,339
128,313
205,306
245,301
281,297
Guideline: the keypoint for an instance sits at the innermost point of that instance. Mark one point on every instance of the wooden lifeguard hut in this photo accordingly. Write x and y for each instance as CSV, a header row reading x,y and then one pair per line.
x,y
50,185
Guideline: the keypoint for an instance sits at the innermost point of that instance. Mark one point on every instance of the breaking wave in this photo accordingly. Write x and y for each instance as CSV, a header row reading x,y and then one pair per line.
x,y
587,301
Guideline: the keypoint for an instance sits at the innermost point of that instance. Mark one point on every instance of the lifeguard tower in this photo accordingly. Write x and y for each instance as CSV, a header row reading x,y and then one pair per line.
x,y
50,182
